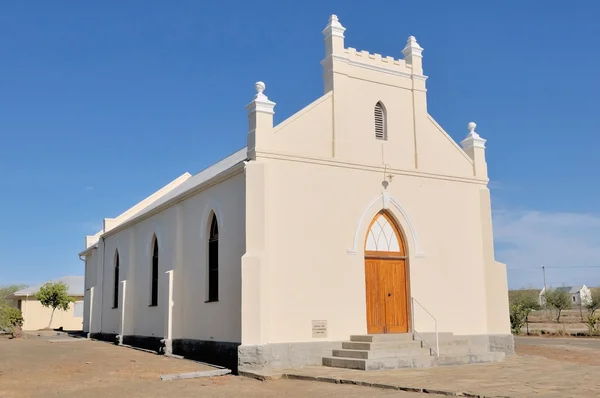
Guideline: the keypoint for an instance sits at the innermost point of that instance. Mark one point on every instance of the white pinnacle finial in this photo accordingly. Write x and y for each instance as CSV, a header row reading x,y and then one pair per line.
x,y
473,139
260,87
261,102
412,48
334,27
471,126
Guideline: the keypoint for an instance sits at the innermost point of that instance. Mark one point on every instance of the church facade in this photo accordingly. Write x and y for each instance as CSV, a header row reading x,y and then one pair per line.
x,y
357,215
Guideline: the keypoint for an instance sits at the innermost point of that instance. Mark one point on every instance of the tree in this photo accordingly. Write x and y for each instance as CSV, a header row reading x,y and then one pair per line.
x,y
594,303
54,295
522,303
559,299
6,293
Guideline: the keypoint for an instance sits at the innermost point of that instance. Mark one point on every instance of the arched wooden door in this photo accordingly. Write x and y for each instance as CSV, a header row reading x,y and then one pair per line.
x,y
386,277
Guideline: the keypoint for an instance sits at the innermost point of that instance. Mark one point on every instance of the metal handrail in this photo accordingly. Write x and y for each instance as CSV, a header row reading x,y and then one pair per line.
x,y
437,338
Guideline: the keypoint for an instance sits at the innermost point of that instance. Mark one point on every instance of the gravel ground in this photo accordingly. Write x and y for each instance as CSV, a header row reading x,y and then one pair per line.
x,y
36,367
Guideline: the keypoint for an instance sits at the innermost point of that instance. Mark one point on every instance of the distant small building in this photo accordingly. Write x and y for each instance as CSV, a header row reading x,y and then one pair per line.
x,y
37,317
579,294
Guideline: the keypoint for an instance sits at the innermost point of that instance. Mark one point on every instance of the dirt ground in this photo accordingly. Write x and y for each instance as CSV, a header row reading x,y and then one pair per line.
x,y
36,367
584,351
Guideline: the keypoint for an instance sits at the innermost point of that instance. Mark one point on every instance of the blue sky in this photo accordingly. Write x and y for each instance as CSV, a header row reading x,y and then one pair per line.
x,y
102,103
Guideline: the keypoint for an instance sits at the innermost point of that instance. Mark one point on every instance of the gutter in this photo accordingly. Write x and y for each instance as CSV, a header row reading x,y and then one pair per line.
x,y
86,251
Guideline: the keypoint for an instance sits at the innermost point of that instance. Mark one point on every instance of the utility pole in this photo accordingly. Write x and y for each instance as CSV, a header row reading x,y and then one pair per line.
x,y
545,291
544,271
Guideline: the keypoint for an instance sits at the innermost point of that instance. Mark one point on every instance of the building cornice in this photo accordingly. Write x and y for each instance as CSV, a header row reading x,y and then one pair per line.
x,y
366,167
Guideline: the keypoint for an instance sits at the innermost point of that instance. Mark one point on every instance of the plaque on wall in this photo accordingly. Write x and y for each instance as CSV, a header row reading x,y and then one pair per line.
x,y
319,329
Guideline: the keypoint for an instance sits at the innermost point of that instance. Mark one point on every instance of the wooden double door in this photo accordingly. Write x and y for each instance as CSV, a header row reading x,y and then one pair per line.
x,y
386,278
387,307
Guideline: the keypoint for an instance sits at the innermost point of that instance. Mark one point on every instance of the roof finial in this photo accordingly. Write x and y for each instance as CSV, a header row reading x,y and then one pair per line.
x,y
260,87
471,126
473,139
334,27
412,48
261,102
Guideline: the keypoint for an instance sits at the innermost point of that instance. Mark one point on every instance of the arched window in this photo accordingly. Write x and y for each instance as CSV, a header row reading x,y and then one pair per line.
x,y
213,260
116,282
380,122
384,236
154,286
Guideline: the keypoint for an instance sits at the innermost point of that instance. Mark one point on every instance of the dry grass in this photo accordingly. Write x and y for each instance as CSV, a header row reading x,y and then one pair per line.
x,y
545,320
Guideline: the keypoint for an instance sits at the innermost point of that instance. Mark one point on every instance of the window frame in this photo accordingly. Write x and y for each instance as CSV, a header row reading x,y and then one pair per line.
x,y
116,281
154,268
213,261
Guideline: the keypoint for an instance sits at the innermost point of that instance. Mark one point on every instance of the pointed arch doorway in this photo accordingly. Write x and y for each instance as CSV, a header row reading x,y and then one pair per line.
x,y
386,277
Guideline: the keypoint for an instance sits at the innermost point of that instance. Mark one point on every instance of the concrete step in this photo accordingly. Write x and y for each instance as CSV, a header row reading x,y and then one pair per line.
x,y
378,354
410,362
462,349
380,363
361,364
456,341
382,338
390,345
431,336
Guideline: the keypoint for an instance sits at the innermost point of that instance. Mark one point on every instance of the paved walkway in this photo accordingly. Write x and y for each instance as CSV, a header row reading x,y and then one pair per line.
x,y
518,376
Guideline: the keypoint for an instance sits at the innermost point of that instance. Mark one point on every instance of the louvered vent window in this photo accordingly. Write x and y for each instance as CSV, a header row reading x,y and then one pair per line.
x,y
380,127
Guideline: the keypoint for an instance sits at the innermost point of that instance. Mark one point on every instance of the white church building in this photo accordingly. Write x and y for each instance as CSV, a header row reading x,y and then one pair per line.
x,y
356,221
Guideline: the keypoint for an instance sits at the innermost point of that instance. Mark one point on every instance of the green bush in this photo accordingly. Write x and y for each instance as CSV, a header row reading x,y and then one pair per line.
x,y
11,320
592,323
522,304
517,318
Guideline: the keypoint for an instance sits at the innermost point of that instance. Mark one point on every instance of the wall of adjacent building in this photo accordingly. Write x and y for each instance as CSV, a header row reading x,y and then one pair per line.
x,y
37,317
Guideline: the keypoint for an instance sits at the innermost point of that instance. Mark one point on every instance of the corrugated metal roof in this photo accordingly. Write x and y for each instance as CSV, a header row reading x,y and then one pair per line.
x,y
570,289
76,286
194,181
188,185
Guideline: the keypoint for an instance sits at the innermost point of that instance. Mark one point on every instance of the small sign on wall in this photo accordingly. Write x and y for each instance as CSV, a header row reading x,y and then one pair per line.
x,y
319,329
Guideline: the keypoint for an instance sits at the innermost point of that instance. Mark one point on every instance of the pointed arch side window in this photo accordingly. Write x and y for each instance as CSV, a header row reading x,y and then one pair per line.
x,y
116,282
213,260
380,122
154,277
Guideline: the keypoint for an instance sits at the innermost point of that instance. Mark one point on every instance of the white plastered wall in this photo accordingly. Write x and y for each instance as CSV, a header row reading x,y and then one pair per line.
x,y
317,222
181,230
